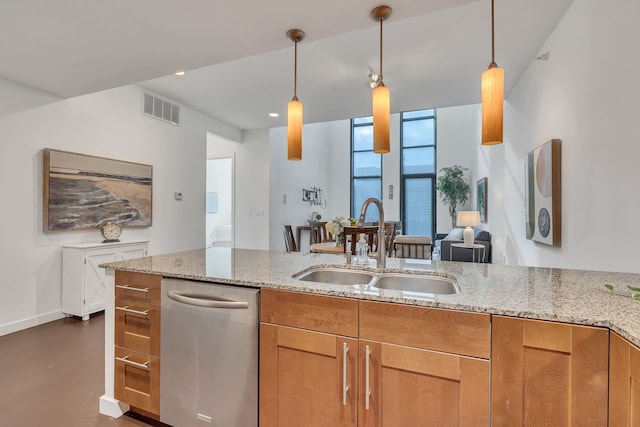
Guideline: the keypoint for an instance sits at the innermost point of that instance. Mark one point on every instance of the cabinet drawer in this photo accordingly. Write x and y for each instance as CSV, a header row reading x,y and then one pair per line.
x,y
314,312
142,287
137,326
137,380
428,328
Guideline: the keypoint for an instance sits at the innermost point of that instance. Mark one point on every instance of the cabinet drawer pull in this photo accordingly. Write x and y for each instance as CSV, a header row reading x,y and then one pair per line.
x,y
133,288
367,389
129,310
345,387
126,361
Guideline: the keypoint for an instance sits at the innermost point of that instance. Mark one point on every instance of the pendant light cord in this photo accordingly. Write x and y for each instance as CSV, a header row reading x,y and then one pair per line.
x,y
381,74
295,69
493,48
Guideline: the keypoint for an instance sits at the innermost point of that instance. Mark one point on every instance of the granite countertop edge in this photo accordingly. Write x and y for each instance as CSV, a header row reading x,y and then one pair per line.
x,y
562,295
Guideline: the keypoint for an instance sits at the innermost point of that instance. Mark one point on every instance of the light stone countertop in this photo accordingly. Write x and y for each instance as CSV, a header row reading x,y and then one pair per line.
x,y
573,296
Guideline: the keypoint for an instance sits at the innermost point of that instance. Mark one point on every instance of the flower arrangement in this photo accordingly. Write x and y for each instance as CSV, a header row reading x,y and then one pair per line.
x,y
336,227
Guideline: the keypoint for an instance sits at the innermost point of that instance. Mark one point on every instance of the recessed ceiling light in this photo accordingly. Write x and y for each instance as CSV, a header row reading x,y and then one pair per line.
x,y
180,73
274,114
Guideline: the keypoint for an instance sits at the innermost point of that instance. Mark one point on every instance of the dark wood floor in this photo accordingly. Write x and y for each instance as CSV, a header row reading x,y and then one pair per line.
x,y
53,375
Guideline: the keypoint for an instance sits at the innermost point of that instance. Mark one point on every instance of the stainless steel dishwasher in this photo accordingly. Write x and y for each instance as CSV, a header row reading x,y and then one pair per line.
x,y
209,355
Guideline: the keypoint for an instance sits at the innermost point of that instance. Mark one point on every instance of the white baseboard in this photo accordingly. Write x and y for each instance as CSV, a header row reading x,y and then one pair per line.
x,y
111,407
30,322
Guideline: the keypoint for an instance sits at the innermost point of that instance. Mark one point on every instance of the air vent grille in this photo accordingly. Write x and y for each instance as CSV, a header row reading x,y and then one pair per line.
x,y
160,108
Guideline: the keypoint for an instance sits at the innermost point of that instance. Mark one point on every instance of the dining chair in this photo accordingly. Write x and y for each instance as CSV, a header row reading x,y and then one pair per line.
x,y
417,247
351,237
289,240
319,232
389,236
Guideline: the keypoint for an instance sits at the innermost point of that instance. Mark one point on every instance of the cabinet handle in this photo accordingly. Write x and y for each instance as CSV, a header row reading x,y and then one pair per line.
x,y
129,310
345,387
133,288
367,388
126,361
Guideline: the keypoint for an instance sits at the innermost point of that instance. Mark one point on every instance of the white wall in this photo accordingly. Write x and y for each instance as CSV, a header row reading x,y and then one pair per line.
x,y
458,130
251,180
587,95
107,124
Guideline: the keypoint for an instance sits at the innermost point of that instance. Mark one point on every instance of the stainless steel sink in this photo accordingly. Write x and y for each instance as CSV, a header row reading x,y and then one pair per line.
x,y
416,283
393,281
337,277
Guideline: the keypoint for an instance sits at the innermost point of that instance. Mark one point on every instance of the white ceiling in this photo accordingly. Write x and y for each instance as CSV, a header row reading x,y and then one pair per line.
x,y
240,64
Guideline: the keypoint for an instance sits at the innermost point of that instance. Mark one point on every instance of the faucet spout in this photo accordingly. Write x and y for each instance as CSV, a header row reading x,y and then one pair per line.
x,y
381,252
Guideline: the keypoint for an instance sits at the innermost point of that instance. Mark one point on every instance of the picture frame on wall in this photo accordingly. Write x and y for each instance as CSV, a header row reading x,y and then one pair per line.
x,y
543,193
83,192
481,198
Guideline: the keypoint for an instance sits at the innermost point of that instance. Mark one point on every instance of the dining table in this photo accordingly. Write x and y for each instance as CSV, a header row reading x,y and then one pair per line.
x,y
327,248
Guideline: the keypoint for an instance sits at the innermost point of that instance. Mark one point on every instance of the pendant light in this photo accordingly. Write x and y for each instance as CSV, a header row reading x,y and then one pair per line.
x,y
380,95
294,111
492,97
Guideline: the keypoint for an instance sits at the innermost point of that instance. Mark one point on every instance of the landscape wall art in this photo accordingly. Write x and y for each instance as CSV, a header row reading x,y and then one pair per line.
x,y
82,191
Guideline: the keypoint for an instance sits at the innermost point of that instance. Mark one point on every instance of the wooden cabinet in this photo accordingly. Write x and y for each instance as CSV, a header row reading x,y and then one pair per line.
x,y
137,341
624,383
419,371
83,282
403,371
547,373
308,364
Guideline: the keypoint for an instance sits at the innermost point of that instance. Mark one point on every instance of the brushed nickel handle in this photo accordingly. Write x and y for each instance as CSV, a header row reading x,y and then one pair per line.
x,y
207,301
126,361
130,310
133,288
345,387
367,388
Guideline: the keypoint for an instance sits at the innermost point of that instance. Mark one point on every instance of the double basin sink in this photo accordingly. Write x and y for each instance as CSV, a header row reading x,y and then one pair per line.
x,y
393,281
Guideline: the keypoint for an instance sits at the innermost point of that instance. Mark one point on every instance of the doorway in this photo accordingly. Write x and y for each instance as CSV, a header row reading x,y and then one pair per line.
x,y
219,203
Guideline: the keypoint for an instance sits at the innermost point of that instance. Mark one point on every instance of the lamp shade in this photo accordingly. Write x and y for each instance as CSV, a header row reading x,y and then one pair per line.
x,y
468,218
294,125
492,105
381,117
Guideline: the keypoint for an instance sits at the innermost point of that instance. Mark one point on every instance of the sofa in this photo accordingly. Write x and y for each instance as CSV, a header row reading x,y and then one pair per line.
x,y
447,253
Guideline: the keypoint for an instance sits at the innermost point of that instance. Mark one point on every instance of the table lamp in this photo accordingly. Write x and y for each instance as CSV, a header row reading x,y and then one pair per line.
x,y
468,219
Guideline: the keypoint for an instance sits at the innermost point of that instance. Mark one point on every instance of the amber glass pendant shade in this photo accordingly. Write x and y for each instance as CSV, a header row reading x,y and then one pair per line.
x,y
492,105
381,115
294,129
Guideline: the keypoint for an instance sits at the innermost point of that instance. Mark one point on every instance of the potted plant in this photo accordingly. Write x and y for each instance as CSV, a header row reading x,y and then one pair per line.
x,y
453,189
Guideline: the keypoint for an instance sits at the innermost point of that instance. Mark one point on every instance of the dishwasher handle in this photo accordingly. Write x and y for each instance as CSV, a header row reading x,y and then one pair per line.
x,y
210,301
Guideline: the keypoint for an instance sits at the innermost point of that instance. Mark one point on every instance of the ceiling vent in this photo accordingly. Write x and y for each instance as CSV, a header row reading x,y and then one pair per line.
x,y
160,108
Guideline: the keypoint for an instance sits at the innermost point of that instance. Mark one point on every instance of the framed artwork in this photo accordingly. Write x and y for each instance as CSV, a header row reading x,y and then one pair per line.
x,y
481,187
542,193
82,191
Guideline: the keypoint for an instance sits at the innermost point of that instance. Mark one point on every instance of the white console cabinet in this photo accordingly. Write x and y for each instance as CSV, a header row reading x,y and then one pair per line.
x,y
83,282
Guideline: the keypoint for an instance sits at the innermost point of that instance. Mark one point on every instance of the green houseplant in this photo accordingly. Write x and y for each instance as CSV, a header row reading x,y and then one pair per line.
x,y
453,189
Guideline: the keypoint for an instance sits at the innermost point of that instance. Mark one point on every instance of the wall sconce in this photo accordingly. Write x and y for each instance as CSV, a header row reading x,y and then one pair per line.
x,y
492,97
380,95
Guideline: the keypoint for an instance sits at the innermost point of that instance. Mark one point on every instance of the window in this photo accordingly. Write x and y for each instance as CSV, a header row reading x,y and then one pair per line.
x,y
418,172
366,167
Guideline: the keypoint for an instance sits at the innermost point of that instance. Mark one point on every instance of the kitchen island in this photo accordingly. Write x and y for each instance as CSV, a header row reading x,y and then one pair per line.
x,y
558,295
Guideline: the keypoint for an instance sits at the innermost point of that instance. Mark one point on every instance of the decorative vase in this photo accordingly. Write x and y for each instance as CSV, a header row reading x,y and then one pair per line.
x,y
340,240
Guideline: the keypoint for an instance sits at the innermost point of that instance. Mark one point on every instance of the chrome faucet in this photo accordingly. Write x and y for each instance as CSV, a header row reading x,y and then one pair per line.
x,y
380,250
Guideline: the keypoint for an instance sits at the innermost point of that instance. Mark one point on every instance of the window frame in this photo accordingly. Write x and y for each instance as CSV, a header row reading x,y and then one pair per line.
x,y
355,210
405,176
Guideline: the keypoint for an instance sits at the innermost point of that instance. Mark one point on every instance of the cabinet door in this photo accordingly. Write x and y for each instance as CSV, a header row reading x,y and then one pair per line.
x,y
409,387
624,383
547,373
94,278
306,378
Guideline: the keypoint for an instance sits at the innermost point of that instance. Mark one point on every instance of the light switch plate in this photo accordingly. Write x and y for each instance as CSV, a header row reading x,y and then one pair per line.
x,y
177,195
